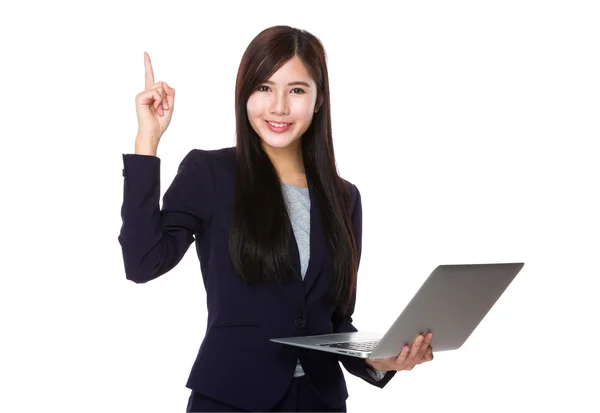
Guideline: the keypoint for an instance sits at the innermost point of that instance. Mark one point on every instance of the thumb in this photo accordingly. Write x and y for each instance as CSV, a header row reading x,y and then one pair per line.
x,y
170,92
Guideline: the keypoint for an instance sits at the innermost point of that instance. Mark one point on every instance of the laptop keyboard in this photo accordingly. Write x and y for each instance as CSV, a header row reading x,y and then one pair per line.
x,y
358,346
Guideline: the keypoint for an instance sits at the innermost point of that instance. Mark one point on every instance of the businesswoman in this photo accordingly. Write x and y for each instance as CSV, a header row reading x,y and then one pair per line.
x,y
276,230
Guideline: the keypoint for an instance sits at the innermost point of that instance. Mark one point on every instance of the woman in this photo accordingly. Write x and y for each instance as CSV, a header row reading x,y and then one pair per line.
x,y
277,233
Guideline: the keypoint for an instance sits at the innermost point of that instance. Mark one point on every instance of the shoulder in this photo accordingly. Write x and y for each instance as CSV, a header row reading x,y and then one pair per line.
x,y
210,160
215,156
355,199
208,169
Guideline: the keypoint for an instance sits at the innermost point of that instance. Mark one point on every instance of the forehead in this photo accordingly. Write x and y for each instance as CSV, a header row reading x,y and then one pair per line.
x,y
293,70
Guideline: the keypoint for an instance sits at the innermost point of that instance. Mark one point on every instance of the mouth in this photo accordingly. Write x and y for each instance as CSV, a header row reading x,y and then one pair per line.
x,y
277,126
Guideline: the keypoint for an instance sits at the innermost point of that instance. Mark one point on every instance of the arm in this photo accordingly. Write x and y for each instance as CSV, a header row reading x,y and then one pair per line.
x,y
343,324
154,240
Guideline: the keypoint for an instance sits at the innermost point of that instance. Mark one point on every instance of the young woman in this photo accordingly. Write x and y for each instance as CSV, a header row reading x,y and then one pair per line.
x,y
277,233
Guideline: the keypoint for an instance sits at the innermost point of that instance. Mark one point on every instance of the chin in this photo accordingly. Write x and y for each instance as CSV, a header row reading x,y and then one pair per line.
x,y
278,144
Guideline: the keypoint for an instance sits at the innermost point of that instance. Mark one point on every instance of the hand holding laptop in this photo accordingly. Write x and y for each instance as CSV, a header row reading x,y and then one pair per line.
x,y
420,352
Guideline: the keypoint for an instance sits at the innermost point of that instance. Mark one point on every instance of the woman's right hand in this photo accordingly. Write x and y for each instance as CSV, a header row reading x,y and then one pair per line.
x,y
154,108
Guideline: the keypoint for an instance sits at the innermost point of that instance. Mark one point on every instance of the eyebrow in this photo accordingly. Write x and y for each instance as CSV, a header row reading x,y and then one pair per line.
x,y
297,83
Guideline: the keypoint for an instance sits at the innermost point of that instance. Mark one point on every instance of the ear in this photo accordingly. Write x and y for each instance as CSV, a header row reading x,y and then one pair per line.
x,y
319,103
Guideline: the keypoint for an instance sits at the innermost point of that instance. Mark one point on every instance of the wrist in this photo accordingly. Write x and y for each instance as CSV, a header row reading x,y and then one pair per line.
x,y
144,146
372,367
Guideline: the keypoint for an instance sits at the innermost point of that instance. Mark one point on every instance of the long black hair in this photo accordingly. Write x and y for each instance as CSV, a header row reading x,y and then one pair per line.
x,y
260,228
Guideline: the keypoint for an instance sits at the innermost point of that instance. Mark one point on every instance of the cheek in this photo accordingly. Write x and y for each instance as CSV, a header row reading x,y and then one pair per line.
x,y
304,111
254,107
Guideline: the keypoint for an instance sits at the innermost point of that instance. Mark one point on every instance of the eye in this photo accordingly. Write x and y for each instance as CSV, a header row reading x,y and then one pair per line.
x,y
262,88
298,90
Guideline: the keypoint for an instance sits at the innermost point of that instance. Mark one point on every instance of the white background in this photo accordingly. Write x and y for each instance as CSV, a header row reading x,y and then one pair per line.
x,y
469,127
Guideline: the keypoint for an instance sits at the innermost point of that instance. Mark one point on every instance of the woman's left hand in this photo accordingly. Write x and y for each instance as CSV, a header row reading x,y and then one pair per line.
x,y
409,357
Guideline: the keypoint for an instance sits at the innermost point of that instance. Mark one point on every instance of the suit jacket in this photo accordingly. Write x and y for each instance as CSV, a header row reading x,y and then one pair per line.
x,y
236,362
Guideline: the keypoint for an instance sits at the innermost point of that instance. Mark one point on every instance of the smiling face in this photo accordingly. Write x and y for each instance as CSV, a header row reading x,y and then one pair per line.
x,y
281,109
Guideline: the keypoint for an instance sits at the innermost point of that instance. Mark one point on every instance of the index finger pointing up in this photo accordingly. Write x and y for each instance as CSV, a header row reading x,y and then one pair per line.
x,y
149,73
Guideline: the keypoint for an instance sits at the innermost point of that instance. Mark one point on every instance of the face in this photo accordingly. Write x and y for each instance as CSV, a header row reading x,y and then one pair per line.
x,y
281,109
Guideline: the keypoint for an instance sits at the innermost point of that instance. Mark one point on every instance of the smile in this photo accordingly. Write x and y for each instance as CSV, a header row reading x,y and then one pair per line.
x,y
278,127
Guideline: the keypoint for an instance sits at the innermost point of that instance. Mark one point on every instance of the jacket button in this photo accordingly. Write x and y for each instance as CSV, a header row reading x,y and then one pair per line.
x,y
299,323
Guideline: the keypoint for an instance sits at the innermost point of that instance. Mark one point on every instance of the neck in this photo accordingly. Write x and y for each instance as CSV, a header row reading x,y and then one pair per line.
x,y
288,162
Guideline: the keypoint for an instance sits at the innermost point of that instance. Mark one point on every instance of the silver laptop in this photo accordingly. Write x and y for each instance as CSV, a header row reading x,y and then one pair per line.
x,y
451,303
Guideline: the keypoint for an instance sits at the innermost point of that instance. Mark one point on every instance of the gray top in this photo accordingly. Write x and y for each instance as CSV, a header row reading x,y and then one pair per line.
x,y
297,202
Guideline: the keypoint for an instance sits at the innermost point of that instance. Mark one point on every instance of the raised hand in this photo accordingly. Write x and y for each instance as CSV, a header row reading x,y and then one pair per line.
x,y
154,108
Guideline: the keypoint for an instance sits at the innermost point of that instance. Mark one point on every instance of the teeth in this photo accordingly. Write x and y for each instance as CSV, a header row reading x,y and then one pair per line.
x,y
278,125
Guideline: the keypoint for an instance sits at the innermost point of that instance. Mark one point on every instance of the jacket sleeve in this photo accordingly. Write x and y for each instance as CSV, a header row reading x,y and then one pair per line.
x,y
343,324
154,240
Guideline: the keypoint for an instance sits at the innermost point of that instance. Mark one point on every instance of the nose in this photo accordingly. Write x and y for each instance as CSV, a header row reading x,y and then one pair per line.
x,y
279,105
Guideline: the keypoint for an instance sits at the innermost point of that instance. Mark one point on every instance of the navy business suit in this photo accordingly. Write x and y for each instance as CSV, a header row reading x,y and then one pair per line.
x,y
237,363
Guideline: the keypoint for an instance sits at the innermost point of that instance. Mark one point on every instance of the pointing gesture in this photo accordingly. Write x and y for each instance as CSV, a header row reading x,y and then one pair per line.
x,y
154,109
